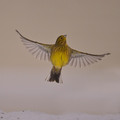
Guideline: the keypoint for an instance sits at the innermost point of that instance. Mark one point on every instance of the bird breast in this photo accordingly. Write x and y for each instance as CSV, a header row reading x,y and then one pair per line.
x,y
60,56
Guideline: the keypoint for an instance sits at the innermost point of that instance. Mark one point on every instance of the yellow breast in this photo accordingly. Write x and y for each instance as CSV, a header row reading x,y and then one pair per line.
x,y
60,56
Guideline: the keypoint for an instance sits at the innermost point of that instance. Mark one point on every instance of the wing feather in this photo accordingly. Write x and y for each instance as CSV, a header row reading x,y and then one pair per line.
x,y
39,50
84,58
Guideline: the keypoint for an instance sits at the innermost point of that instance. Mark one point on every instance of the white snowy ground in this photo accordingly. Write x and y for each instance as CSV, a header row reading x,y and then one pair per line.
x,y
28,115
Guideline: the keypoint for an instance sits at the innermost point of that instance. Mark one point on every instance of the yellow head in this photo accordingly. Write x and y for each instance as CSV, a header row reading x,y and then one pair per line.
x,y
61,40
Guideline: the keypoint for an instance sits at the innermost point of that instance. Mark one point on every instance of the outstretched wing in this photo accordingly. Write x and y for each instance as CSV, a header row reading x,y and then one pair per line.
x,y
39,50
84,59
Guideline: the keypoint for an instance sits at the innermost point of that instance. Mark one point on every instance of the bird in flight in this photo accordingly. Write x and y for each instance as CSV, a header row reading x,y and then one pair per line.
x,y
60,54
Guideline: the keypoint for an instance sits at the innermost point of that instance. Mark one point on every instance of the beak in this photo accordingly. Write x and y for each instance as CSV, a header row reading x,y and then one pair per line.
x,y
65,36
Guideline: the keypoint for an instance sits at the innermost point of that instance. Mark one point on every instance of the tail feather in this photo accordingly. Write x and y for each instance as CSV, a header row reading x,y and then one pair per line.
x,y
55,75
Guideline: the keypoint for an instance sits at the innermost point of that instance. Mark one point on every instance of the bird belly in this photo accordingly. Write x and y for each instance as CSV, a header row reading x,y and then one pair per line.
x,y
59,59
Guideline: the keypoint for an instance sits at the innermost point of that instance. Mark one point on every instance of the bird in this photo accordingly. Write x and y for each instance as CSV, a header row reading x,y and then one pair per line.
x,y
60,55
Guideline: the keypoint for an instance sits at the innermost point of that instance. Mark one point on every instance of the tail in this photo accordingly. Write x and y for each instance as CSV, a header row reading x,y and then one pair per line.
x,y
55,75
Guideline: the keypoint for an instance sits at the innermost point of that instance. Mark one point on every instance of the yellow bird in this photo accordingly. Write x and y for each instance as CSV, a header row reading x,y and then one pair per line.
x,y
60,54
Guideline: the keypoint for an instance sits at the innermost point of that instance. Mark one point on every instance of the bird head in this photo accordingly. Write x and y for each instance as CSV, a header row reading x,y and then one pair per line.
x,y
61,40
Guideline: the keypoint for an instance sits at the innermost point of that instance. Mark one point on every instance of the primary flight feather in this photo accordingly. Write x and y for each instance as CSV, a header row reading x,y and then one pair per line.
x,y
60,54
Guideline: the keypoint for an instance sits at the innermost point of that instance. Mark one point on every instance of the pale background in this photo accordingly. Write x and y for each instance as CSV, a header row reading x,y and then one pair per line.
x,y
92,26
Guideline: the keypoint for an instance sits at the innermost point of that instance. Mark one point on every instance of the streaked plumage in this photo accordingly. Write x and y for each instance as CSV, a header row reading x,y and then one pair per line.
x,y
60,54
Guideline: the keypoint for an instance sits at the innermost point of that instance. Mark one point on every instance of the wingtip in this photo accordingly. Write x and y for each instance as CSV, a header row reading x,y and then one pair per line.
x,y
18,32
107,53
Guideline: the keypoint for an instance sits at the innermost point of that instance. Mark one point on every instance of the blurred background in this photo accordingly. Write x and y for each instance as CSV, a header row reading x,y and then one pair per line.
x,y
91,26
